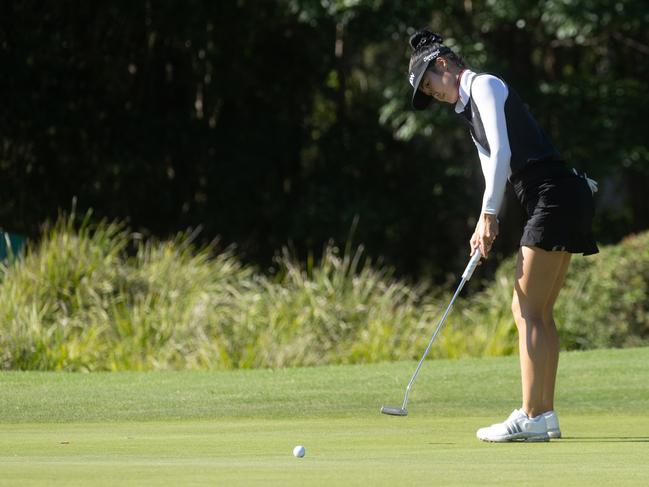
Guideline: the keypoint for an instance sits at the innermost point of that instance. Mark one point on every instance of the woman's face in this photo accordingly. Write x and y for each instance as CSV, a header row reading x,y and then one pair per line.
x,y
441,84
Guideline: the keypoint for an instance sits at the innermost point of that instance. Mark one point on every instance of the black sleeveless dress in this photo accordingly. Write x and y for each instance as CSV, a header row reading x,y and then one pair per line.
x,y
557,199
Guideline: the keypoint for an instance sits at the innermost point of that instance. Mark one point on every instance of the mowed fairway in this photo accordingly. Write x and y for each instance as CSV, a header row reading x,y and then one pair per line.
x,y
239,428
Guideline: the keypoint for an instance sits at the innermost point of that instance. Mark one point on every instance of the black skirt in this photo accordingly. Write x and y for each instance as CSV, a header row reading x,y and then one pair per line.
x,y
559,206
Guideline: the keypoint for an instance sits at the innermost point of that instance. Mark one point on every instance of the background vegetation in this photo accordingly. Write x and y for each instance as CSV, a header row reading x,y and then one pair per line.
x,y
279,122
98,297
330,219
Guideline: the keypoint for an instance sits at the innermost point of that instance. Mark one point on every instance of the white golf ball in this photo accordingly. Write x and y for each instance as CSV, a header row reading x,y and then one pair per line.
x,y
299,451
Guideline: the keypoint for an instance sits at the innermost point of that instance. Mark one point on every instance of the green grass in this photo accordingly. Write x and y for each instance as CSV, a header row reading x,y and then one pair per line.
x,y
239,427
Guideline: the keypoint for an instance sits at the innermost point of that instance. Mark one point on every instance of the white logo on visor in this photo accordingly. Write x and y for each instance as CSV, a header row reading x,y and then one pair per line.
x,y
412,79
432,55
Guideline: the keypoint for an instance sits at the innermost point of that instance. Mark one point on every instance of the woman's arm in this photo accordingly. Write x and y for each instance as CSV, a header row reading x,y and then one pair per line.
x,y
489,94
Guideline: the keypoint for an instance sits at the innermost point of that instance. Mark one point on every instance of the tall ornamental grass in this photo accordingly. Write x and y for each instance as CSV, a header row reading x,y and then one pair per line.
x,y
95,296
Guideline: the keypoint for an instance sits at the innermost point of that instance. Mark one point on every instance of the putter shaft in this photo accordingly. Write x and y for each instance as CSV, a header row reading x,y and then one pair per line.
x,y
430,343
466,276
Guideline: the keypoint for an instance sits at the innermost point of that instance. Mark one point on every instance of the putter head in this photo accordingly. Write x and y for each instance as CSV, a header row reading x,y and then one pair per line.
x,y
394,411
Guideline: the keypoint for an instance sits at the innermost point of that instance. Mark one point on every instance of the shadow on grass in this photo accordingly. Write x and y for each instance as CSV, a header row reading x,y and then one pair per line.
x,y
606,439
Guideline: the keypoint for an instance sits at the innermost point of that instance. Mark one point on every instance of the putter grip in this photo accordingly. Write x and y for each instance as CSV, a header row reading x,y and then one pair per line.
x,y
473,263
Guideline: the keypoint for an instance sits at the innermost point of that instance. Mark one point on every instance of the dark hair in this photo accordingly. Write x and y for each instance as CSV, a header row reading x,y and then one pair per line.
x,y
425,39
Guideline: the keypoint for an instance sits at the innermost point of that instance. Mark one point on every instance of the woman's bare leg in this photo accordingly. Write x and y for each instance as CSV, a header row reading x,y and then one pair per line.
x,y
537,273
553,337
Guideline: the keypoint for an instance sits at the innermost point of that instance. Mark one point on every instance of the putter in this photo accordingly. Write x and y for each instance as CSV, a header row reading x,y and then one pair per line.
x,y
466,275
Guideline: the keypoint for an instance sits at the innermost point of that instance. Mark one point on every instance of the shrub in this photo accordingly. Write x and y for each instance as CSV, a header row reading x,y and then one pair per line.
x,y
605,302
97,297
78,301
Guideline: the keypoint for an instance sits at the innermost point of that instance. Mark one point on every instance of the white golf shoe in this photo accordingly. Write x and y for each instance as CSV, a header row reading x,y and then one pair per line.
x,y
517,427
552,420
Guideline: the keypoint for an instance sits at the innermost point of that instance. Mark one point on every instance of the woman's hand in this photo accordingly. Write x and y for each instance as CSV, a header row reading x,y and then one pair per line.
x,y
485,233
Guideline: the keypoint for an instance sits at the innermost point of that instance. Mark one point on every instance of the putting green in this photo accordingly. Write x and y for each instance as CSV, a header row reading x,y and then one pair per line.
x,y
239,428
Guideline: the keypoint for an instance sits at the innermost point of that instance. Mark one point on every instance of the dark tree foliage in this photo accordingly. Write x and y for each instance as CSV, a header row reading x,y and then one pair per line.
x,y
281,122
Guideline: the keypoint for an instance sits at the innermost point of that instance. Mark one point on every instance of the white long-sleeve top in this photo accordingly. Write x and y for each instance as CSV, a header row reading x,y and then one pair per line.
x,y
489,95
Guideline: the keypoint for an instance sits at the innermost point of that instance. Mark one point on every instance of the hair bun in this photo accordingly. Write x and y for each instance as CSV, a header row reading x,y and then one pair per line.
x,y
424,37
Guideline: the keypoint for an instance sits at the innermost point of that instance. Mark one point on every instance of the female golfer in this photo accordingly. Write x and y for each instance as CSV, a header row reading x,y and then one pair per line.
x,y
559,206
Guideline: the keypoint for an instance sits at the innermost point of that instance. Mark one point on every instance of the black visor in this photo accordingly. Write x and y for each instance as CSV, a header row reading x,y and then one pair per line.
x,y
420,100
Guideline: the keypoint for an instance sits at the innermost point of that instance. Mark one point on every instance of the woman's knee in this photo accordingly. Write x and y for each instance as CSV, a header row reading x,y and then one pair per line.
x,y
548,316
526,314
